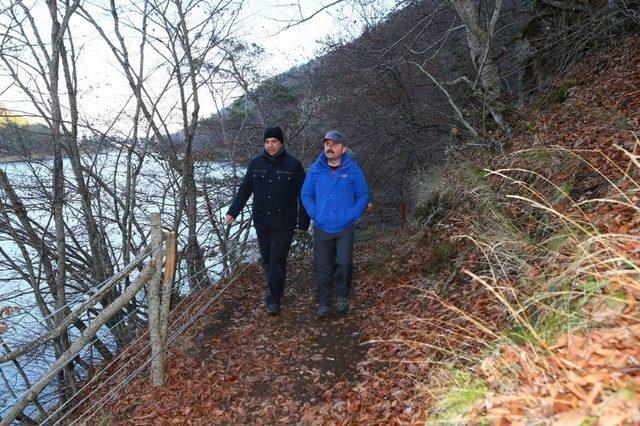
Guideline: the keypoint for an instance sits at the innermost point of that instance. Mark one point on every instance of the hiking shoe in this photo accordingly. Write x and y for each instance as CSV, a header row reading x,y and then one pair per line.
x,y
322,312
342,305
273,309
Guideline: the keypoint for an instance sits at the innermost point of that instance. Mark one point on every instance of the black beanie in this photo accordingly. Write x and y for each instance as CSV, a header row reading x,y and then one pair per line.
x,y
273,132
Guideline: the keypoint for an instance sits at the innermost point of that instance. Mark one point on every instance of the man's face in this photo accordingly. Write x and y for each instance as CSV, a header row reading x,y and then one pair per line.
x,y
272,146
333,150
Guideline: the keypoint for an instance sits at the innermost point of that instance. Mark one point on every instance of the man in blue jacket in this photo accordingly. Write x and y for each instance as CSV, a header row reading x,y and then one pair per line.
x,y
334,194
274,178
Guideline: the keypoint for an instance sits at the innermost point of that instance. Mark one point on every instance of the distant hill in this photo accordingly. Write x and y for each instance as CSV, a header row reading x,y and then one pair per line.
x,y
20,138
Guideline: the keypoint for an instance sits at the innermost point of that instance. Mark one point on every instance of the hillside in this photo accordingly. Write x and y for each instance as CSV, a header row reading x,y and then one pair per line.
x,y
513,299
552,231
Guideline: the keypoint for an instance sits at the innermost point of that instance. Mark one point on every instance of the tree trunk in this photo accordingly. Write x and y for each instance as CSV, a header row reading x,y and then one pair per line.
x,y
479,41
61,343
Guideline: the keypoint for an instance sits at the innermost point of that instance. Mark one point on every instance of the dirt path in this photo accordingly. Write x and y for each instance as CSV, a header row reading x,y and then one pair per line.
x,y
237,364
285,362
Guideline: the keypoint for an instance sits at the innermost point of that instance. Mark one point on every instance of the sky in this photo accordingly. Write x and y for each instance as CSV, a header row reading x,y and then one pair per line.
x,y
104,93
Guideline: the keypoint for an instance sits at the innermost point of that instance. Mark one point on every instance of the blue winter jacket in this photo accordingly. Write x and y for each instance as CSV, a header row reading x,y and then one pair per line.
x,y
334,200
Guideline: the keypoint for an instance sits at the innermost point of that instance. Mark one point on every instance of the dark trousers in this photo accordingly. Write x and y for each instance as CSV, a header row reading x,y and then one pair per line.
x,y
274,247
333,259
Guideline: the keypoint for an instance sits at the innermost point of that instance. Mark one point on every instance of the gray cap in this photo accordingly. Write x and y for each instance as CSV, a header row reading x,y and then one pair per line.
x,y
335,136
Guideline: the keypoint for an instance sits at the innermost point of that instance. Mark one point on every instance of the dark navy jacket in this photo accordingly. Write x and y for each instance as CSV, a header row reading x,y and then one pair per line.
x,y
275,184
335,200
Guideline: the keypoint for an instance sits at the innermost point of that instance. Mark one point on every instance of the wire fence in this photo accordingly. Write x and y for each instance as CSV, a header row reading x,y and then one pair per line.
x,y
185,309
185,305
96,407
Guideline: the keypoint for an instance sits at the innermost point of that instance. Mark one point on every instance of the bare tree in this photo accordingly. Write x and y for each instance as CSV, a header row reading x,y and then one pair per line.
x,y
193,32
62,225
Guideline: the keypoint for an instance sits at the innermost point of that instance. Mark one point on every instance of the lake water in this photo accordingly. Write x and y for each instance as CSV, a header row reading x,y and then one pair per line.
x,y
157,189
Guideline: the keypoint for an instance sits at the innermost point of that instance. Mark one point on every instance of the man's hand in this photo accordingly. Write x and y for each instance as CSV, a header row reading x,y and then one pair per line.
x,y
228,220
369,208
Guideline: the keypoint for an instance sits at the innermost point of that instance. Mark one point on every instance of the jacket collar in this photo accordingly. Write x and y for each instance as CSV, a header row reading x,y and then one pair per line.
x,y
277,158
322,160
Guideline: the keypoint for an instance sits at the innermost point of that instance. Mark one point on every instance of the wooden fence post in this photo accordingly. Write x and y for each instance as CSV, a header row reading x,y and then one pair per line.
x,y
169,272
153,296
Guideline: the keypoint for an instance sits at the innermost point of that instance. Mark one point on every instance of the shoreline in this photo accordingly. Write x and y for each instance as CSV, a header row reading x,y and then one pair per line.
x,y
14,158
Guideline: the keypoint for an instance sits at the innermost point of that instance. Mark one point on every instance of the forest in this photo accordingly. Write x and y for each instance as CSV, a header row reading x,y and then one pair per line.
x,y
496,279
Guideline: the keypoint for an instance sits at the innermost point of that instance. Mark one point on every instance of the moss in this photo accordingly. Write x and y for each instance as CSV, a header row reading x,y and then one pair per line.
x,y
443,254
616,300
589,290
524,126
557,95
464,392
562,192
627,393
554,243
560,92
548,326
592,286
554,323
541,155
589,206
474,174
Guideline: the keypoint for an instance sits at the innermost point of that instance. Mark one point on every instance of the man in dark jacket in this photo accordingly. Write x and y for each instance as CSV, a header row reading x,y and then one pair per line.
x,y
274,178
334,194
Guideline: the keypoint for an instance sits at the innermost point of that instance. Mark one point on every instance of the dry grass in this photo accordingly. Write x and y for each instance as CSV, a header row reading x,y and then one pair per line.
x,y
578,279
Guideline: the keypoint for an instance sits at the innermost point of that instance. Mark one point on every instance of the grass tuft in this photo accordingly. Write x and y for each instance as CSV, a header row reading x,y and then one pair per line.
x,y
465,391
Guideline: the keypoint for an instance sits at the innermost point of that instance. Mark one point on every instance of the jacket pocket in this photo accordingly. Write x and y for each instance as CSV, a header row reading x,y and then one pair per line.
x,y
284,175
286,187
347,181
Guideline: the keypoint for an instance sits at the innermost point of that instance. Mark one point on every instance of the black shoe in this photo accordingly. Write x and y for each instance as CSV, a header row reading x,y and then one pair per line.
x,y
273,309
322,312
342,305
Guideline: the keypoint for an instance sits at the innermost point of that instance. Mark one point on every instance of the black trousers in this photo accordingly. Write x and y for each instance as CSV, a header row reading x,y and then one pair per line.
x,y
333,259
274,248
